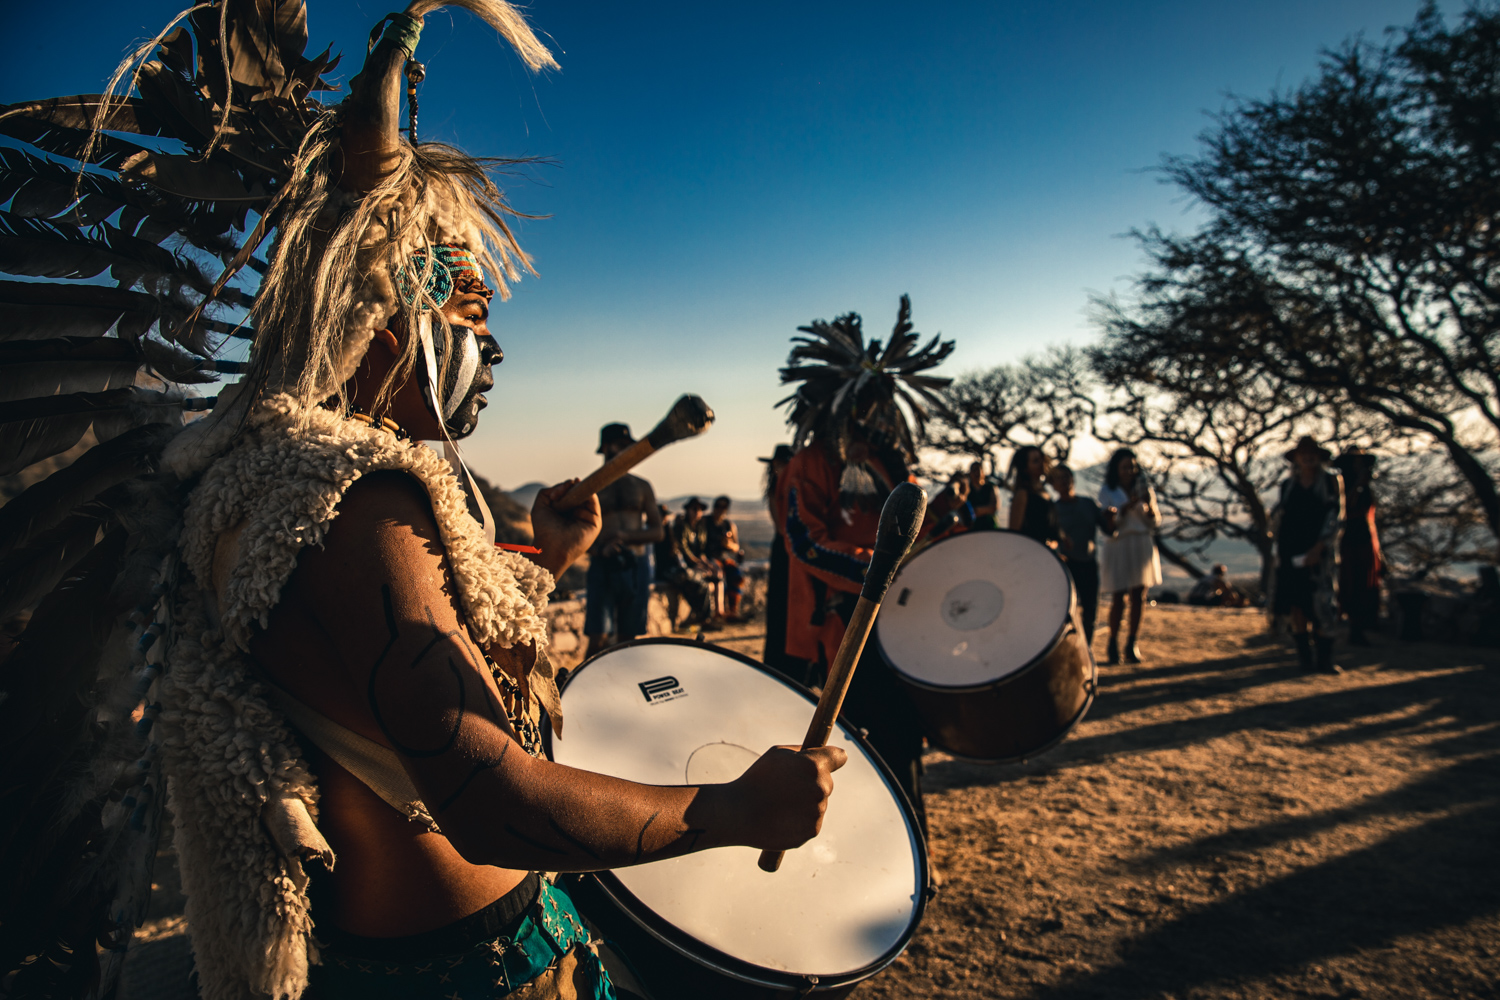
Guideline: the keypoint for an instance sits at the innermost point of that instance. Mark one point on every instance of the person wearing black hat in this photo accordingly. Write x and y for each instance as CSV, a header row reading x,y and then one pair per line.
x,y
1360,563
619,576
1307,522
694,575
775,655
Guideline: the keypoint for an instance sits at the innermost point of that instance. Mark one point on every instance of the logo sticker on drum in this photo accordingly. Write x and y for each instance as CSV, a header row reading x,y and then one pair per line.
x,y
972,605
660,689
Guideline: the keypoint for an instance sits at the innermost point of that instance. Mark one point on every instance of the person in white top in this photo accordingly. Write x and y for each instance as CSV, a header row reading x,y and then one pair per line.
x,y
1129,561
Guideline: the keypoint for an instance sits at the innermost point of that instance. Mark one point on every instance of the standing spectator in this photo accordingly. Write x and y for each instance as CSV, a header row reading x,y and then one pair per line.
x,y
775,654
1307,522
976,478
1131,563
722,546
1080,519
666,565
663,554
695,578
986,503
618,582
1360,563
1031,510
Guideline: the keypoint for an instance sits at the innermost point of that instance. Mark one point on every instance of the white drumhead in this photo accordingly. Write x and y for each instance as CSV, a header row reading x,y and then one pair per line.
x,y
668,714
974,609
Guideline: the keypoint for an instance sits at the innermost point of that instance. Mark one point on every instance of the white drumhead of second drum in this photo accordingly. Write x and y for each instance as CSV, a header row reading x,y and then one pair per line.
x,y
667,714
974,609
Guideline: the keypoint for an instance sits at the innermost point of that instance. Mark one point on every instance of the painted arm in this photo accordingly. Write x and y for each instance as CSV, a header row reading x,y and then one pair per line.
x,y
382,591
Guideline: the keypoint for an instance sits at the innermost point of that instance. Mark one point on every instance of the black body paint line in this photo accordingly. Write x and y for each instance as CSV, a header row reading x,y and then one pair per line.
x,y
479,768
565,835
533,842
373,699
640,838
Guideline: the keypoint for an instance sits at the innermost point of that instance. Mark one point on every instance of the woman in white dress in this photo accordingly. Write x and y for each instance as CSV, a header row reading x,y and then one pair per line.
x,y
1129,560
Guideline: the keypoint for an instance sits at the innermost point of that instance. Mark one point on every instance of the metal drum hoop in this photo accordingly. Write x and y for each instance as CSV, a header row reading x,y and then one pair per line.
x,y
693,950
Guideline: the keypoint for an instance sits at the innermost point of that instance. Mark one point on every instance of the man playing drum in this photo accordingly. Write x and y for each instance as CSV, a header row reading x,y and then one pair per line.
x,y
350,671
853,445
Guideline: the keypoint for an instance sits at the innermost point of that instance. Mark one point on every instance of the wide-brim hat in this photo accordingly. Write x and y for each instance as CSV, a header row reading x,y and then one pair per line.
x,y
614,434
1306,443
694,502
783,453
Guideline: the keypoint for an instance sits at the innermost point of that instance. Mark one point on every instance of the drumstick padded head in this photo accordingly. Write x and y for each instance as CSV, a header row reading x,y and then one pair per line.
x,y
900,520
689,416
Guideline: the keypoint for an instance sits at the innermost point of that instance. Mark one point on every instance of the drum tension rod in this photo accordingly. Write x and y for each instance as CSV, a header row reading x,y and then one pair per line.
x,y
812,984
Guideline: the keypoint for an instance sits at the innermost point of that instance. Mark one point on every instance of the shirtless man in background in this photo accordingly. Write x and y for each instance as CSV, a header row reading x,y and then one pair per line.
x,y
619,574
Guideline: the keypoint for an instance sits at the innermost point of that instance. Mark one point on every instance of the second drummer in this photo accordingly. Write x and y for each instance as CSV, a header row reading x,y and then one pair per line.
x,y
619,574
853,445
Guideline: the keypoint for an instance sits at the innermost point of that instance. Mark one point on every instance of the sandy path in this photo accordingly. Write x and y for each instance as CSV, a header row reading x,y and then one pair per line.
x,y
1219,826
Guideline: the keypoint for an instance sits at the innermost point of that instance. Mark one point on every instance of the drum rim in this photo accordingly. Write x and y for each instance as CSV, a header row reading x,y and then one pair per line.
x,y
705,954
1026,667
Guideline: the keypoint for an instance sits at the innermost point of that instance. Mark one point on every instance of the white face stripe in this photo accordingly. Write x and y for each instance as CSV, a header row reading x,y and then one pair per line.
x,y
468,366
429,358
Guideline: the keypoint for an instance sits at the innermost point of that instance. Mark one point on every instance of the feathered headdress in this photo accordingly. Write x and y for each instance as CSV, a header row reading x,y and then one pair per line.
x,y
215,147
847,383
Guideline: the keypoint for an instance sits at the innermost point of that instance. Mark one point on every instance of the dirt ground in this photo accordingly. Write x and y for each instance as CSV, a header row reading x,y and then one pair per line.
x,y
1220,825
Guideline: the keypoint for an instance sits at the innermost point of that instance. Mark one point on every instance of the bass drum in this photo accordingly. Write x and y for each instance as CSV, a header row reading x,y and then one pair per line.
x,y
983,628
712,924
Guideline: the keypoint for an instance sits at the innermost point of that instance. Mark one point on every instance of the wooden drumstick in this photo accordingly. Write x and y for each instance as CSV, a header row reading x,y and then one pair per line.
x,y
689,417
900,519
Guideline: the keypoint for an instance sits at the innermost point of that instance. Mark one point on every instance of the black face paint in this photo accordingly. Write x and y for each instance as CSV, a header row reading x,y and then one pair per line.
x,y
470,397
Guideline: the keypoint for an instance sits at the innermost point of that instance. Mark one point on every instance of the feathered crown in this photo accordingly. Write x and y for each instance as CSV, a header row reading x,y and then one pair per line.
x,y
847,383
215,147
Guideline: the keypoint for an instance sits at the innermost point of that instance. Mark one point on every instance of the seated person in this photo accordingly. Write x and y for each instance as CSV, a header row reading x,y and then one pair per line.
x,y
1215,591
722,546
695,576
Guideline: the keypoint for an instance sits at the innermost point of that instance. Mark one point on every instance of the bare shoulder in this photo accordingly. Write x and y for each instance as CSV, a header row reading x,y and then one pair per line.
x,y
642,493
384,523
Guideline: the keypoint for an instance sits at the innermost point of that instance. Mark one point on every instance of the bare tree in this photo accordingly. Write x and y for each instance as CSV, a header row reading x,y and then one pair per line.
x,y
1044,399
1062,407
1427,516
1353,242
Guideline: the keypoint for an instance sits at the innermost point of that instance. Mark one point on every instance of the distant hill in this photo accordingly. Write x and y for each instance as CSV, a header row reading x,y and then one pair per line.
x,y
526,495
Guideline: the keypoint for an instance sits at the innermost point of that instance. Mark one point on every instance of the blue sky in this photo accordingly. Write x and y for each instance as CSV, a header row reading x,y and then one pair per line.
x,y
724,173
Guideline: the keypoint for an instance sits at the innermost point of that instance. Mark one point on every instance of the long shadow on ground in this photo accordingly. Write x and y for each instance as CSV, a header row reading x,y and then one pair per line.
x,y
1442,873
1440,870
1456,699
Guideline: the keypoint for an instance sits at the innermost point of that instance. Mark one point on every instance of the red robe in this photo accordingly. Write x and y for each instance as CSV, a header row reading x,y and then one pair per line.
x,y
830,546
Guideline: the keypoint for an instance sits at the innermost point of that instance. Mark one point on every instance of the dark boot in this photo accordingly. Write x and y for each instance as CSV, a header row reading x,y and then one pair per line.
x,y
1304,651
1112,654
1325,656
